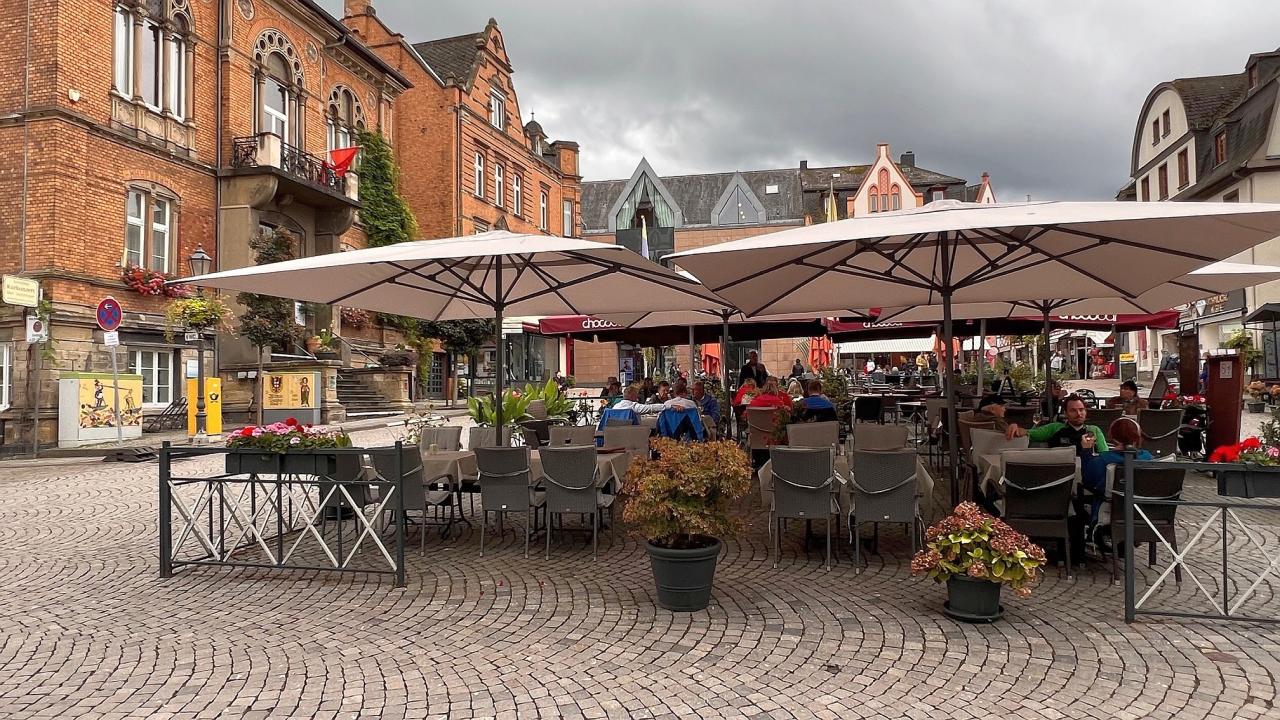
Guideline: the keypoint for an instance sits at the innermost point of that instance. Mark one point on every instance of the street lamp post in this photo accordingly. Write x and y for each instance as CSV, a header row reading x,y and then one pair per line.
x,y
200,264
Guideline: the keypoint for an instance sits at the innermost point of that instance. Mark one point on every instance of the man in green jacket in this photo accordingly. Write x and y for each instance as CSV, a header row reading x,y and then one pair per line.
x,y
1088,440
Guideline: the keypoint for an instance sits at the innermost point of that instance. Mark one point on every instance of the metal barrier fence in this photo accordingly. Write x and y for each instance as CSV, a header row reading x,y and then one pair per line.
x,y
285,511
1222,517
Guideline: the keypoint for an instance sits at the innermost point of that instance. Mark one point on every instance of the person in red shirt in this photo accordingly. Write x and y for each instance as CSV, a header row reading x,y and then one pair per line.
x,y
771,396
746,393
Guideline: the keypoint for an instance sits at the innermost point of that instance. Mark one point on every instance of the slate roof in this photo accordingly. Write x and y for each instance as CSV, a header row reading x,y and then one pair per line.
x,y
1207,98
1247,127
452,56
798,192
851,177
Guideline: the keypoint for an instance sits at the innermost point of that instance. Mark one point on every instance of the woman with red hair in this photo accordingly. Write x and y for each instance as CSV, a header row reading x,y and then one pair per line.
x,y
1126,435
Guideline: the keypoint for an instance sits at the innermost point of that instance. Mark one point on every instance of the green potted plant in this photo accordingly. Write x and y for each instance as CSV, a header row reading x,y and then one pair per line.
x,y
515,408
328,349
199,313
287,447
976,554
680,503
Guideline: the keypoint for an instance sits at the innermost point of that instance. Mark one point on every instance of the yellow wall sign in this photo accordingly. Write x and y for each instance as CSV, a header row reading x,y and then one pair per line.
x,y
1126,357
212,406
21,291
290,391
97,400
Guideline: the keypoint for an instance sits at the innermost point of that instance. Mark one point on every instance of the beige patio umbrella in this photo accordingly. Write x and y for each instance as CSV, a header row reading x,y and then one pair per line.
x,y
951,252
477,276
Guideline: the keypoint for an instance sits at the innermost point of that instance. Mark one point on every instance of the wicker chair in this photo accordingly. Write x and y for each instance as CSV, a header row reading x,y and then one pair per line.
x,y
1148,484
572,435
445,438
570,474
418,497
1037,501
1160,431
802,483
880,437
505,488
634,438
884,490
868,409
1103,417
813,435
760,427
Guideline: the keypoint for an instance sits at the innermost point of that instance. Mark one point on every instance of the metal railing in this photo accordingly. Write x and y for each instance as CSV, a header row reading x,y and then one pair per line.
x,y
253,152
275,516
1214,574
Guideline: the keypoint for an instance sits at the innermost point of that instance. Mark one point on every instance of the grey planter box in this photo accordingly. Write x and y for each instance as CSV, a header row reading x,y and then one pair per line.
x,y
295,462
1259,481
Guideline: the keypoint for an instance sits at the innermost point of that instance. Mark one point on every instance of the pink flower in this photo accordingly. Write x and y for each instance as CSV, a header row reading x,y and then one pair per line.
x,y
1273,453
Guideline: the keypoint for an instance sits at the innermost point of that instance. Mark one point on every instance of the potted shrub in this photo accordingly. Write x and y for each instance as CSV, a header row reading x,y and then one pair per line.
x,y
287,447
328,349
976,554
1257,466
1257,396
200,313
515,407
680,503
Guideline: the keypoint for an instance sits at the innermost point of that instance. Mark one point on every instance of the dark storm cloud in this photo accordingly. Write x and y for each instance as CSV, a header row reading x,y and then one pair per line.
x,y
1043,95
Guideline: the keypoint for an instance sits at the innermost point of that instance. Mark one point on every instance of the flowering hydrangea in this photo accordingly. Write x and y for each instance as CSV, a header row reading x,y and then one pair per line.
x,y
973,543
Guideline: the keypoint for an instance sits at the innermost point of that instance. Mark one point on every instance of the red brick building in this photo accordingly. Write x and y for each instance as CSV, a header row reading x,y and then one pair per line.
x,y
134,131
467,162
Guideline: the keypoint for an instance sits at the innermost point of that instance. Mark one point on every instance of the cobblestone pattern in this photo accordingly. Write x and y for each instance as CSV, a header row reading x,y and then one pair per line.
x,y
87,629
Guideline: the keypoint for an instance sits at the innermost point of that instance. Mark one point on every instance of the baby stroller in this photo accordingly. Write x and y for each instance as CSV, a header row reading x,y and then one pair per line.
x,y
1191,437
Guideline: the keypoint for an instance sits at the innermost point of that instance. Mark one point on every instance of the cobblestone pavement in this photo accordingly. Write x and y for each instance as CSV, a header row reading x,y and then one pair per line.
x,y
87,629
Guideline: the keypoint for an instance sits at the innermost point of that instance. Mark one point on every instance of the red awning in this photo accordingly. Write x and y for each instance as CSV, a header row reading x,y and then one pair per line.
x,y
571,324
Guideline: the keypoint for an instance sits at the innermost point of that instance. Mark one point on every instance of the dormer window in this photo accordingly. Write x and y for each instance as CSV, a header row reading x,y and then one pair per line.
x,y
1164,118
1155,131
1220,147
497,110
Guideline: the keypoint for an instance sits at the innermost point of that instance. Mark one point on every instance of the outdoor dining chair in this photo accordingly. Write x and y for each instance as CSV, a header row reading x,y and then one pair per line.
x,y
988,442
802,490
536,432
761,423
889,409
1024,416
634,439
880,437
444,438
1037,501
966,426
572,435
883,490
868,409
1159,386
481,437
570,481
420,493
1160,431
1160,521
814,434
1103,417
505,488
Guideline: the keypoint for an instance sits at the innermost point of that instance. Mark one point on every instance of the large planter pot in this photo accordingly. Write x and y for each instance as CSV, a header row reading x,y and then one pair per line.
x,y
1256,406
323,354
1262,481
295,462
972,600
684,576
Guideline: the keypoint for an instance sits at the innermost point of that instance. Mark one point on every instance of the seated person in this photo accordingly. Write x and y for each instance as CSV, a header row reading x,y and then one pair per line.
x,y
1088,440
631,401
1093,478
681,399
612,394
662,394
794,388
771,396
707,403
814,406
1128,400
746,392
607,390
991,409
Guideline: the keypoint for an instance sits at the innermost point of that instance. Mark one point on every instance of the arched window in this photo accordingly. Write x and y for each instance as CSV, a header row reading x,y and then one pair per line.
x,y
279,86
883,181
499,185
517,195
896,198
150,230
873,200
479,175
345,117
153,55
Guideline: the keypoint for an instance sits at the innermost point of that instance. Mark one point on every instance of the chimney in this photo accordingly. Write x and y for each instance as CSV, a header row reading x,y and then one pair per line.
x,y
353,8
804,164
908,159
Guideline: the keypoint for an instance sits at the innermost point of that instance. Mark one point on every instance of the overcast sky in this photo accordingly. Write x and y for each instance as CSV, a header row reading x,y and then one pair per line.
x,y
1043,95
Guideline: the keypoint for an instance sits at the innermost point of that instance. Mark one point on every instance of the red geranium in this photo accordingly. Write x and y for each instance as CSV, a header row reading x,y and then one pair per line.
x,y
246,432
291,422
1250,443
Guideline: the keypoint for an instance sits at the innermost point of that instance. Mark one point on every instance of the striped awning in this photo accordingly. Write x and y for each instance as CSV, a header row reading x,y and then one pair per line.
x,y
880,347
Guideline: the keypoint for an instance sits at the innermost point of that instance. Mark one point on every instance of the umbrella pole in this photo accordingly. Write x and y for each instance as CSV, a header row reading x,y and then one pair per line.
x,y
949,378
691,354
500,354
982,354
1048,371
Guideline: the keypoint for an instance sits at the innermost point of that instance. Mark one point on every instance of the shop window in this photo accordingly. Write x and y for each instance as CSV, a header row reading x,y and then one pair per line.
x,y
156,369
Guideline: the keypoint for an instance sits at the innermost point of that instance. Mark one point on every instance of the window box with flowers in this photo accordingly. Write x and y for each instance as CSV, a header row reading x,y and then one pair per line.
x,y
152,283
1254,471
284,448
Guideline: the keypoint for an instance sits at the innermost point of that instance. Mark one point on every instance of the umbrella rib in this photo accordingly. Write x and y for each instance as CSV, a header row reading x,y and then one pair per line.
x,y
467,281
547,278
450,291
1130,243
544,291
405,271
681,285
801,260
520,271
898,262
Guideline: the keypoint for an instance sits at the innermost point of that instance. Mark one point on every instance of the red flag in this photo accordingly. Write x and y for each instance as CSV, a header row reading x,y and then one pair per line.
x,y
340,160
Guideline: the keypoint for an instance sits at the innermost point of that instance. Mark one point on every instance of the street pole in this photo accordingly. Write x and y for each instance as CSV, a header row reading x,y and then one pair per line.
x,y
115,391
201,438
